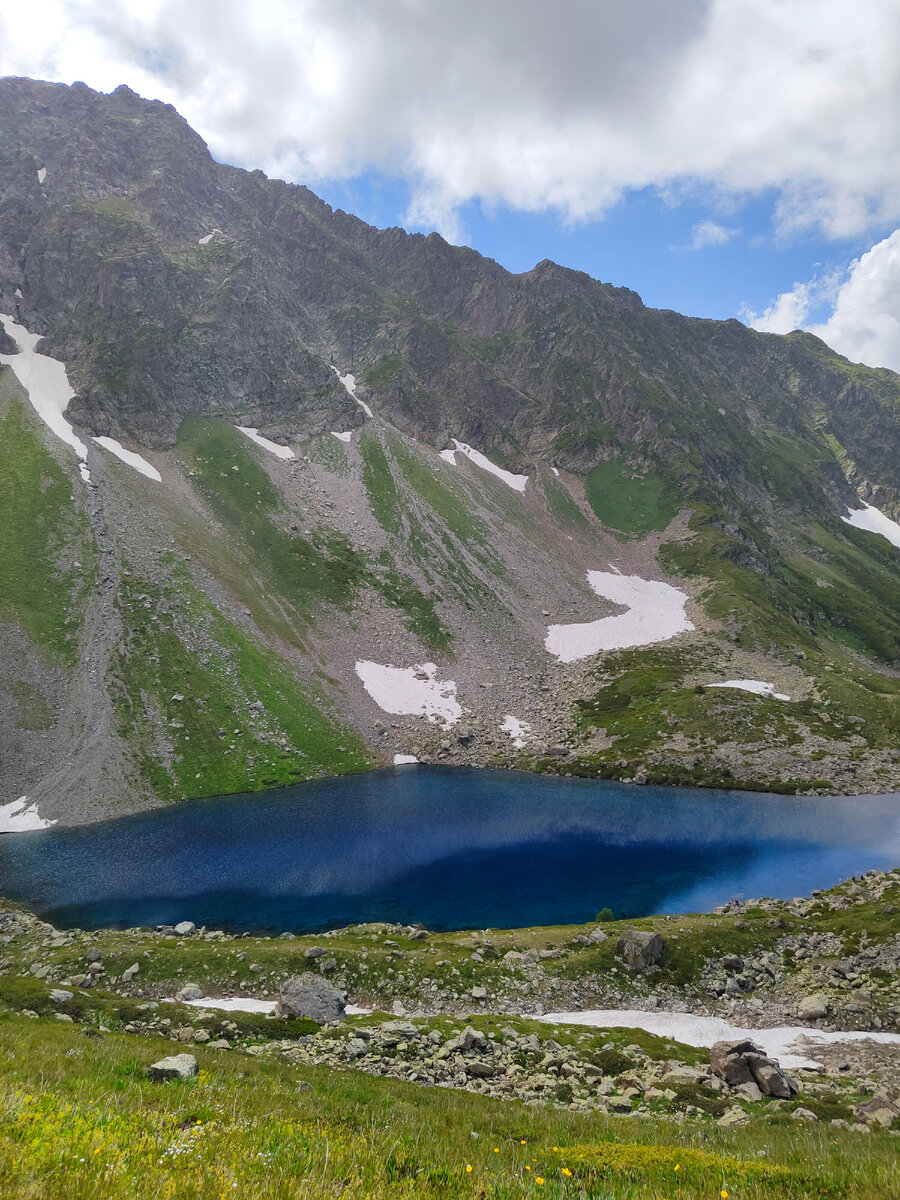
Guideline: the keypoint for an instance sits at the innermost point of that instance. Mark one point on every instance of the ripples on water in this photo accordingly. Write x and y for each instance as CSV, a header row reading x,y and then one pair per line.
x,y
452,848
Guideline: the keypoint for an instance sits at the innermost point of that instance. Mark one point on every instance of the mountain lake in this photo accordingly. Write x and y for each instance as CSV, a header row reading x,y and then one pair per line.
x,y
450,848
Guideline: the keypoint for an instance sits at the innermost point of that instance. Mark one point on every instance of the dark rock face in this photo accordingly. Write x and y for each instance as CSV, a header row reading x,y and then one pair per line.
x,y
106,207
743,1062
310,996
640,949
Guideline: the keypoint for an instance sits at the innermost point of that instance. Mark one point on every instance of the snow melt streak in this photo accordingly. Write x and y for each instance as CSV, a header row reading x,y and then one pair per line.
x,y
655,614
411,691
128,456
349,382
517,482
875,521
272,447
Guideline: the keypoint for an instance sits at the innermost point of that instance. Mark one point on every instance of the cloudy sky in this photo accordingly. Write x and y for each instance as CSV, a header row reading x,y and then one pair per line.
x,y
722,157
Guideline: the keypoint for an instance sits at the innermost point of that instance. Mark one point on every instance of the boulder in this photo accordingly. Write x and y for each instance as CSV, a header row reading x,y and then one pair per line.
x,y
315,952
185,928
811,1008
466,1042
311,996
640,949
176,1066
880,1110
743,1062
129,973
60,995
190,991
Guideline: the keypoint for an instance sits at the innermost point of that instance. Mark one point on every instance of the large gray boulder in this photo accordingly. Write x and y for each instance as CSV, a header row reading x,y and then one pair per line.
x,y
742,1062
311,996
176,1066
640,949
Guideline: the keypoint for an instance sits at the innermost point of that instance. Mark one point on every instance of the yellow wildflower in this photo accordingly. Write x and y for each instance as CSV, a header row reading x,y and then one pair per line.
x,y
723,1194
566,1171
468,1168
539,1179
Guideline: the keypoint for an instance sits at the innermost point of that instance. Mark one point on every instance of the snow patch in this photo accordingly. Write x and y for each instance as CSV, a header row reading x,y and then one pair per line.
x,y
779,1042
403,760
554,470
448,456
349,382
251,1005
272,447
753,685
42,175
128,456
20,817
204,241
875,521
516,482
342,437
655,614
517,730
411,691
45,381
85,473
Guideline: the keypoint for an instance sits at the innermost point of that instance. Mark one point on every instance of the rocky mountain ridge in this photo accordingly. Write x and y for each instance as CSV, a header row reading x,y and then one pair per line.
x,y
209,631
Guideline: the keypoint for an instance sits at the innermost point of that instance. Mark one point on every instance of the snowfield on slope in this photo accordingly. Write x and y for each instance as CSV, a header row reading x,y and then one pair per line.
x,y
411,691
273,447
47,384
20,817
45,381
779,1042
875,521
655,614
752,685
518,731
516,482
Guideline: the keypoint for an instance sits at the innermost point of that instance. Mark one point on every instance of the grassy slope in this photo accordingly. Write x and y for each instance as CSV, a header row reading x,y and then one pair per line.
x,y
630,502
43,533
245,720
79,1120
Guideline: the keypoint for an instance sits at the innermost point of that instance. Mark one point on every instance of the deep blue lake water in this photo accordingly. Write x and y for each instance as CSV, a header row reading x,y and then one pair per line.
x,y
452,848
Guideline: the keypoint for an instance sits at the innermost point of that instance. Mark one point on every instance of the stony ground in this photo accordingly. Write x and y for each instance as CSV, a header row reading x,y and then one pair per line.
x,y
457,1009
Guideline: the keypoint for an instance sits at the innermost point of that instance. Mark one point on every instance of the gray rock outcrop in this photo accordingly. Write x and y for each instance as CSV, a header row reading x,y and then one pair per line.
x,y
640,949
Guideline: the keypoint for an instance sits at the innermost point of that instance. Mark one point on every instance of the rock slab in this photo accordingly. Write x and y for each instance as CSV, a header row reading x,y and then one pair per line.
x,y
176,1066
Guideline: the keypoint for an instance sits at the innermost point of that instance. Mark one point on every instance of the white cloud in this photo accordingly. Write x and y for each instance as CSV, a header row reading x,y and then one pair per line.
x,y
786,312
517,101
709,233
864,321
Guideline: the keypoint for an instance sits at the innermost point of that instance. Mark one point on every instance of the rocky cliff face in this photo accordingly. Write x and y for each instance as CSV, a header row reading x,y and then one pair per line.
x,y
186,297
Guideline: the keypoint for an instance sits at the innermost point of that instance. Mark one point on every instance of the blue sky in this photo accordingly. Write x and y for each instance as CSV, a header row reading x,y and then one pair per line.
x,y
721,157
